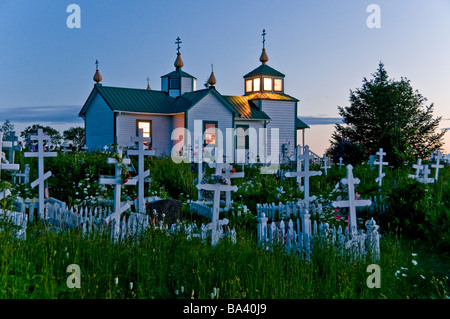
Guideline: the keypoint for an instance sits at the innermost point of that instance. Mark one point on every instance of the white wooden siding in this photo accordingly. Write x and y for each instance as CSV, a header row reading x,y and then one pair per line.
x,y
282,114
251,124
177,122
165,84
161,130
186,85
210,109
99,124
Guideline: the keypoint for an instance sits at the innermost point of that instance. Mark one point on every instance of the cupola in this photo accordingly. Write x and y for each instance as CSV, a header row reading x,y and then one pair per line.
x,y
264,79
178,82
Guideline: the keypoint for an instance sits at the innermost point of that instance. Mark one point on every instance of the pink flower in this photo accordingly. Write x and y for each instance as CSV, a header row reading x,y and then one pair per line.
x,y
357,196
337,217
336,210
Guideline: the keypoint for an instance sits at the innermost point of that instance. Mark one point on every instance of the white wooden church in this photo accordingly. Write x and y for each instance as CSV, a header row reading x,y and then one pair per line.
x,y
113,115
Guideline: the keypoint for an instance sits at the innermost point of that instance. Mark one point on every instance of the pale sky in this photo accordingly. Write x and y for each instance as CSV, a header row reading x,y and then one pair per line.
x,y
324,48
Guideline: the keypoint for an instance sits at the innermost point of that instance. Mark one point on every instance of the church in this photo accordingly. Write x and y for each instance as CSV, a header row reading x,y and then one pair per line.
x,y
113,115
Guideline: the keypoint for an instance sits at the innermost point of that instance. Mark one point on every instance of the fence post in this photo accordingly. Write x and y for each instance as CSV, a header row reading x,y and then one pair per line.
x,y
262,229
373,239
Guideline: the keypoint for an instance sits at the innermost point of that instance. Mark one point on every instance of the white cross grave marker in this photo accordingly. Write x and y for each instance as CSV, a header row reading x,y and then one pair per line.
x,y
117,182
215,223
418,167
141,152
437,166
380,164
225,169
7,165
306,157
341,162
325,166
40,154
15,146
425,179
352,202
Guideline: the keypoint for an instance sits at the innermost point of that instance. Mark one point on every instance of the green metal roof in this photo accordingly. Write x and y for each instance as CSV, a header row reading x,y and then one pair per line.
x,y
179,73
132,100
188,100
264,69
299,124
246,108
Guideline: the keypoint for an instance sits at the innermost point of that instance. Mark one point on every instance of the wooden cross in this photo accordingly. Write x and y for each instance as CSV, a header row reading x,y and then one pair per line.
x,y
40,154
380,164
425,179
418,167
15,146
352,202
264,37
340,162
437,166
306,157
141,152
325,166
178,42
117,181
225,169
216,188
7,165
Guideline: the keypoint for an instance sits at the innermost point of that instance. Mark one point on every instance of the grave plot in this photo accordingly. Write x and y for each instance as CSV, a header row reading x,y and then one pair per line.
x,y
299,236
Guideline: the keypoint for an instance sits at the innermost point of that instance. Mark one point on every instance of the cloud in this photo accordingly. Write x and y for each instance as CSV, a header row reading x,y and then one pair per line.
x,y
321,120
57,114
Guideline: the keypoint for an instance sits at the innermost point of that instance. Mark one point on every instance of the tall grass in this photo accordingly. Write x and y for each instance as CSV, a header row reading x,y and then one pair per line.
x,y
158,265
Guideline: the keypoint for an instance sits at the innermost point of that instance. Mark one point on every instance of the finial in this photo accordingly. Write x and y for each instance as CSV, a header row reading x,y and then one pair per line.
x,y
212,78
97,75
148,83
264,58
178,62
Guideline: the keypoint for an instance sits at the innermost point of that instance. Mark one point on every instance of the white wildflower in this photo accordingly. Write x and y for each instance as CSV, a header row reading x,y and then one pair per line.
x,y
116,280
414,254
131,285
414,262
421,276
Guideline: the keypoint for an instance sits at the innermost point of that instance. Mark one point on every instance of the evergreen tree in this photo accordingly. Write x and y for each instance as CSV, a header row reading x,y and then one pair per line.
x,y
389,114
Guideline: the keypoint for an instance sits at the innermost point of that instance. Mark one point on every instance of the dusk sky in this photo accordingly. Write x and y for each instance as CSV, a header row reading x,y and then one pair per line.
x,y
325,48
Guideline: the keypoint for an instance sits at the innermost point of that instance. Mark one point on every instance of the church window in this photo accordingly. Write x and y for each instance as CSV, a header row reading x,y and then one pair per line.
x,y
146,126
209,133
242,140
278,85
248,86
257,84
174,83
267,84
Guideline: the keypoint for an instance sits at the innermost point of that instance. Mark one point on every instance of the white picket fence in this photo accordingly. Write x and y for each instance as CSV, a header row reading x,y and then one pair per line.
x,y
17,219
90,219
295,237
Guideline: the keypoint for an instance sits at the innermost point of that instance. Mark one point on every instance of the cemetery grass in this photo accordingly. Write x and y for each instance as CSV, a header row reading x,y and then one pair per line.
x,y
163,266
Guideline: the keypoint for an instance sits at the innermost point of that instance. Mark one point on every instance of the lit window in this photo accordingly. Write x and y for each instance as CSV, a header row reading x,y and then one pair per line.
x,y
248,86
278,85
209,129
267,84
146,126
257,84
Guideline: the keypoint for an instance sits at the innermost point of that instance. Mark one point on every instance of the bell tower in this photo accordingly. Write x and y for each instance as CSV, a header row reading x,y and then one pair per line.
x,y
178,82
